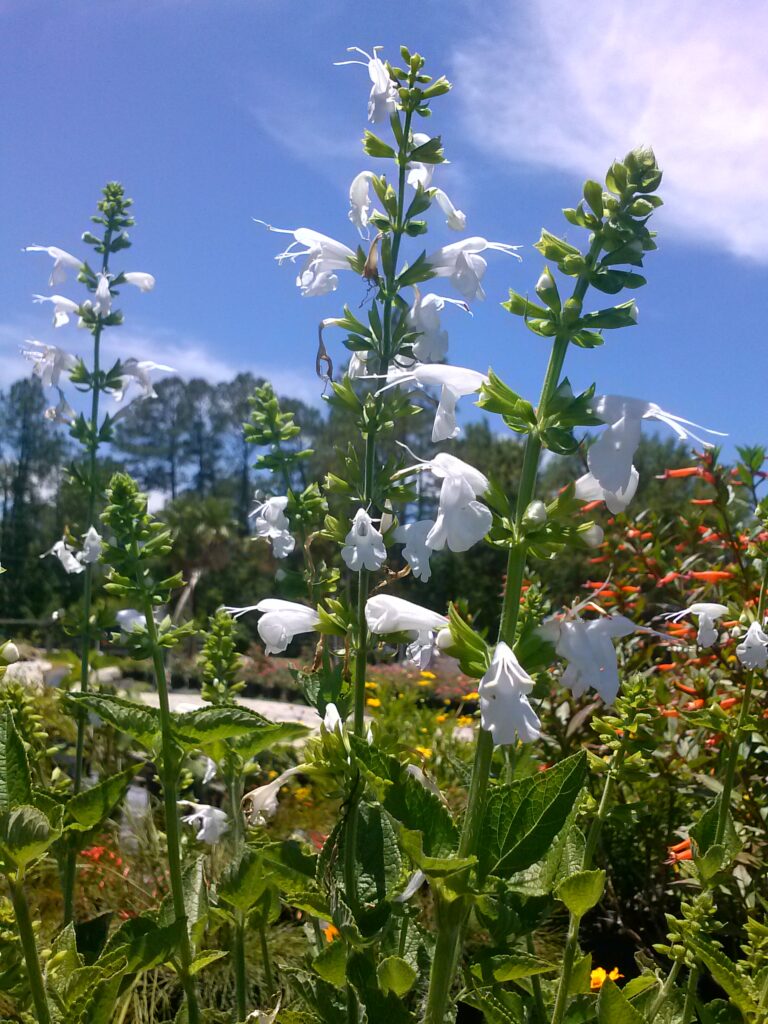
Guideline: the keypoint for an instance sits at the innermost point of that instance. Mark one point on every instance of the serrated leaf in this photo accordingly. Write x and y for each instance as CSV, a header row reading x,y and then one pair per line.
x,y
94,805
522,818
395,975
331,964
137,720
25,834
511,966
725,973
614,1008
15,784
581,891
203,960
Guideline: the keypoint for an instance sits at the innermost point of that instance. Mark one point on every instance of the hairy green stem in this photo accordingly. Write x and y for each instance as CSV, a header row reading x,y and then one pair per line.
x,y
664,992
234,789
169,779
540,1015
690,996
29,947
266,962
569,955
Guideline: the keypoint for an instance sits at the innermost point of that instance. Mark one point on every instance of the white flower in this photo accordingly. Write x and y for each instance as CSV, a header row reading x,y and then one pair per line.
x,y
588,489
92,544
752,652
417,879
144,282
66,555
272,523
455,383
130,620
324,257
360,201
424,318
9,652
504,709
364,545
261,803
137,371
264,1016
706,612
382,101
62,307
332,721
587,646
48,362
385,614
416,553
358,365
455,219
210,770
419,173
462,263
62,261
103,296
280,622
461,521
610,457
212,822
62,412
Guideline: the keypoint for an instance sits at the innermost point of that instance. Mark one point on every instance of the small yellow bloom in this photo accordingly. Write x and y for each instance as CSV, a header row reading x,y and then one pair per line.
x,y
373,702
474,695
302,793
371,686
441,718
464,720
423,682
271,774
447,702
598,976
428,675
330,932
425,751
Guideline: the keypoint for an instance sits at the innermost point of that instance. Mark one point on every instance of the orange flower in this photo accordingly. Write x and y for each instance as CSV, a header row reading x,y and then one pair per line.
x,y
598,977
331,932
728,702
373,702
672,474
695,705
711,575
678,852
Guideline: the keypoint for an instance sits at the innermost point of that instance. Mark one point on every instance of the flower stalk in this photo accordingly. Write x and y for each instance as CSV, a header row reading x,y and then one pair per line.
x,y
29,946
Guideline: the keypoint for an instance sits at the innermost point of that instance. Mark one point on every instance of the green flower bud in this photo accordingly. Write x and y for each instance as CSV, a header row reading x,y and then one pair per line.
x,y
535,515
546,289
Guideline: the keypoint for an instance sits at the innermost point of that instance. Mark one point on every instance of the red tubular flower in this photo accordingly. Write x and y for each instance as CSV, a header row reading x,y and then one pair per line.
x,y
702,501
678,852
667,579
729,702
669,712
695,705
711,575
690,690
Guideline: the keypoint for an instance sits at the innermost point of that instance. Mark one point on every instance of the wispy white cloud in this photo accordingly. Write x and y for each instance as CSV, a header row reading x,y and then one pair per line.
x,y
572,86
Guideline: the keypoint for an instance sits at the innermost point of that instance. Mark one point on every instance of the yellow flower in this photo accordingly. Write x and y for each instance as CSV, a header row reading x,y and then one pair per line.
x,y
271,774
373,702
447,702
441,718
330,932
371,686
302,793
474,695
464,720
598,976
423,682
428,675
425,751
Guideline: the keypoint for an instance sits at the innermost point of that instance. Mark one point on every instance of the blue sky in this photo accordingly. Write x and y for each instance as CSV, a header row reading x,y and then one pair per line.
x,y
213,112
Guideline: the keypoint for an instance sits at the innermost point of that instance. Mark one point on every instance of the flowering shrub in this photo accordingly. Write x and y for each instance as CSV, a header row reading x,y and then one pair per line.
x,y
592,760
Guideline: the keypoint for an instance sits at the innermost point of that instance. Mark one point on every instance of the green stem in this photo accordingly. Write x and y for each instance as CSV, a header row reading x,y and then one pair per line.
x,y
234,789
29,947
733,757
666,988
569,955
266,963
540,1016
690,995
169,778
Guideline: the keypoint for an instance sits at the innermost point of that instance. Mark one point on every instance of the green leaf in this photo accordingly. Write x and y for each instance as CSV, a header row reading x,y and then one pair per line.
x,y
430,152
15,785
376,147
137,720
468,646
395,975
517,413
143,944
206,727
522,818
202,960
725,973
593,193
94,805
245,882
511,966
380,1007
25,835
614,1008
582,891
331,964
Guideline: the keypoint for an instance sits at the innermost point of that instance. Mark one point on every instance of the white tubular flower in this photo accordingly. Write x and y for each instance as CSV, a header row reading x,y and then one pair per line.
x,y
588,648
364,545
324,257
706,612
130,619
358,365
272,523
416,553
610,457
385,614
332,721
144,282
103,297
211,768
455,382
62,307
261,803
588,489
419,173
455,219
211,822
462,263
92,545
752,652
48,362
66,555
138,371
360,201
280,622
504,708
382,101
62,412
424,317
62,261
461,521
417,879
